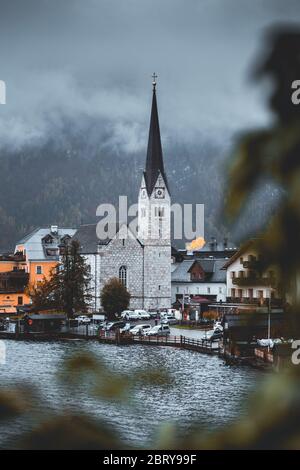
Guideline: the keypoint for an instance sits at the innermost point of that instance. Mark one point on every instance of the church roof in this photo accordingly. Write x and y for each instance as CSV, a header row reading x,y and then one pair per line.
x,y
88,239
154,161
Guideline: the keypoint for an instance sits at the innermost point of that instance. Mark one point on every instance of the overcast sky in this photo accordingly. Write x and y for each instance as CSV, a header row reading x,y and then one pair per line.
x,y
91,61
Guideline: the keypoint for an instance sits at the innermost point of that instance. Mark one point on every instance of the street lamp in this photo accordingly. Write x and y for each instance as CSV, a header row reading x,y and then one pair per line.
x,y
269,318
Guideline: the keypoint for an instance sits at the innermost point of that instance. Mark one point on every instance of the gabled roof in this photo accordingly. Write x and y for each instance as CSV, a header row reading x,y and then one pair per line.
x,y
211,267
89,241
241,250
181,273
154,161
33,242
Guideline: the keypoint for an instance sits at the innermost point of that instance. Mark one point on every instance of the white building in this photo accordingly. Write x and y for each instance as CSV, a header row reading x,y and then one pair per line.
x,y
199,277
246,281
142,263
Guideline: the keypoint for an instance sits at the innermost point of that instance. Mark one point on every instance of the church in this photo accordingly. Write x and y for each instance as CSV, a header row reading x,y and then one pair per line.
x,y
143,262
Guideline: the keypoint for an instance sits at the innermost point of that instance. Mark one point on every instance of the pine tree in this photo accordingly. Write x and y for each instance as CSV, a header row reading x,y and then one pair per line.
x,y
67,289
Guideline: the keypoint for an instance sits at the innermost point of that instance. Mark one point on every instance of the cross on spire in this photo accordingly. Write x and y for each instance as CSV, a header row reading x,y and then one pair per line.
x,y
154,76
154,161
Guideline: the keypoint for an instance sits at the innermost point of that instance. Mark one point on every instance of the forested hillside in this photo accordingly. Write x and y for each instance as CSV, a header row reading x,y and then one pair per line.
x,y
63,184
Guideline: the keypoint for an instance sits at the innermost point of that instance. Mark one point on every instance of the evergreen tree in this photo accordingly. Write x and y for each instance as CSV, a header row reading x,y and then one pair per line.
x,y
68,286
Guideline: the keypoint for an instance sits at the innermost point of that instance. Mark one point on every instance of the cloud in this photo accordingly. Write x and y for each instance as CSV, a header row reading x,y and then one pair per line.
x,y
82,62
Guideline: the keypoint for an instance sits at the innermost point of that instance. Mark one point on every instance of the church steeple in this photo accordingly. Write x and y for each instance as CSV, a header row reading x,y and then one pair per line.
x,y
154,161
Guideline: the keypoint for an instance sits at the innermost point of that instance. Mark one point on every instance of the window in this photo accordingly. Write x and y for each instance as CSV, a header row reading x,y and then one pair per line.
x,y
20,300
159,211
123,241
177,290
208,290
250,293
159,287
220,290
143,212
123,275
232,274
39,270
241,260
260,294
232,292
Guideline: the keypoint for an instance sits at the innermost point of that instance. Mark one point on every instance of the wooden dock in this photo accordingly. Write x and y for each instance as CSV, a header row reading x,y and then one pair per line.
x,y
180,341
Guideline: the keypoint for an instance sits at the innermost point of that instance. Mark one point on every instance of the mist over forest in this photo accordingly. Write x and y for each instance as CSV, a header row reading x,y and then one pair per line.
x,y
63,180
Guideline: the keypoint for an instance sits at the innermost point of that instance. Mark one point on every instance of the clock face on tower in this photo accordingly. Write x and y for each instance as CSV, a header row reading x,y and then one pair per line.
x,y
159,193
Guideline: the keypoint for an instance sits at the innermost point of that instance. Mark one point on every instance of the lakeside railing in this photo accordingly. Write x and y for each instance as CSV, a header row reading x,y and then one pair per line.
x,y
85,332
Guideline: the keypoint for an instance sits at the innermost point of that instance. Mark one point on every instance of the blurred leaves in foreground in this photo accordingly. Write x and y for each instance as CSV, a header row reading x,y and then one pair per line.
x,y
273,418
273,154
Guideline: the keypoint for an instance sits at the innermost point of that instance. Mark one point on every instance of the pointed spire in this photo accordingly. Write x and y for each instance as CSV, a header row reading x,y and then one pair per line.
x,y
154,162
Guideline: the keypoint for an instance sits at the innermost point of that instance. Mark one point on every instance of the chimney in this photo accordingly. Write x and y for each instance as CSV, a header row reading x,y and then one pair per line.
x,y
54,229
213,244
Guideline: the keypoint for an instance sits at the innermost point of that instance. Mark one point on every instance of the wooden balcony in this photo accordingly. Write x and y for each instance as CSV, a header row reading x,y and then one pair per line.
x,y
13,281
253,264
255,301
243,281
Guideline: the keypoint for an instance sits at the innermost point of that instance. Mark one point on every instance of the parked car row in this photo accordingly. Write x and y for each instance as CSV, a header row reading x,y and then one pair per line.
x,y
142,329
135,315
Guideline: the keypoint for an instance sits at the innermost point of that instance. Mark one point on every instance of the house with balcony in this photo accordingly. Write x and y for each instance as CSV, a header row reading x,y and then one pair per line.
x,y
249,286
32,261
13,281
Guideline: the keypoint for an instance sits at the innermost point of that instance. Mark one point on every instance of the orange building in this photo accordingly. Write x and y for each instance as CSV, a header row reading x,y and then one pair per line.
x,y
33,260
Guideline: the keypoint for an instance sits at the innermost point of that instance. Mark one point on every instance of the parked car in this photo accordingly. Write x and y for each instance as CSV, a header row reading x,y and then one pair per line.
x,y
154,314
206,321
143,315
130,315
141,329
218,326
82,319
170,320
127,328
213,335
158,330
112,326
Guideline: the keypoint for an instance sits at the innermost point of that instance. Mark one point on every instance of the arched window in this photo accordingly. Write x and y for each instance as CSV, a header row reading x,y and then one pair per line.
x,y
123,275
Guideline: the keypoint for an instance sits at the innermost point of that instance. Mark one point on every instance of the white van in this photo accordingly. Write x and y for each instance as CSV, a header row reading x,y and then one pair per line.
x,y
143,314
158,330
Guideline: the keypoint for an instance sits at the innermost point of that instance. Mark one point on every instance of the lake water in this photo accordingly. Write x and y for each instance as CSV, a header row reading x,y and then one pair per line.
x,y
202,388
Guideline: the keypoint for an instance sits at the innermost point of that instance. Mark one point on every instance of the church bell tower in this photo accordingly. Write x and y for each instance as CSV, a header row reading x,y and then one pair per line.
x,y
154,219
